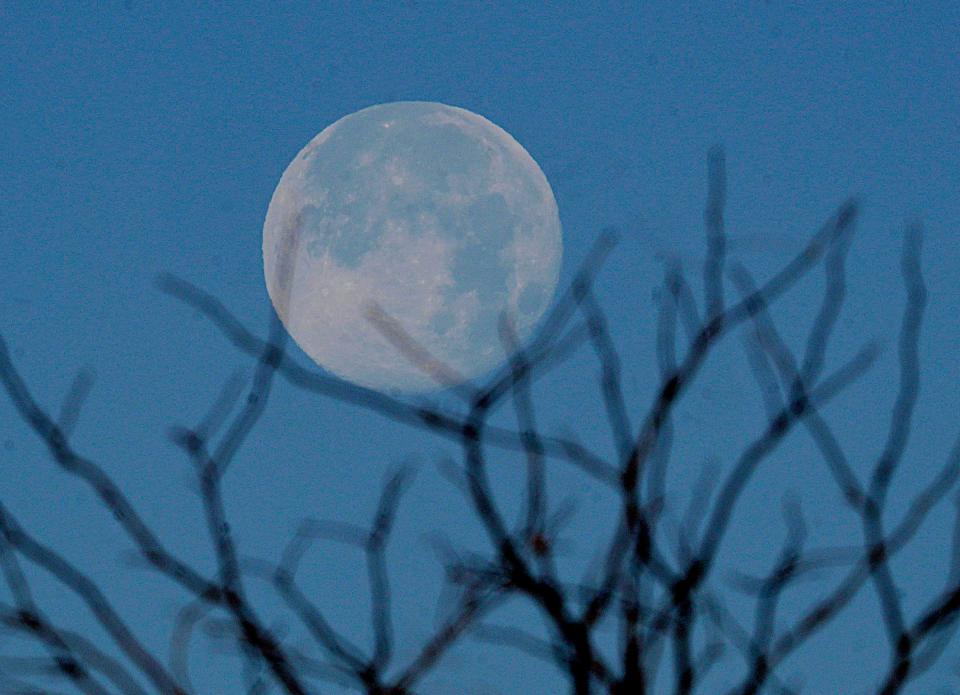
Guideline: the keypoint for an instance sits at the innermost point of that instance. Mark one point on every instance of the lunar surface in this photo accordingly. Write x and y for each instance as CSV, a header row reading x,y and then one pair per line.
x,y
399,235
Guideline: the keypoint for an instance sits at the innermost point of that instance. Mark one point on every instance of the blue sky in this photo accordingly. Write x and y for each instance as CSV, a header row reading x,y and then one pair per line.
x,y
139,138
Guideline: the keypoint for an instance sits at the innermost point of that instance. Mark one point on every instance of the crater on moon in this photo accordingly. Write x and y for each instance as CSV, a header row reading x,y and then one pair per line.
x,y
426,214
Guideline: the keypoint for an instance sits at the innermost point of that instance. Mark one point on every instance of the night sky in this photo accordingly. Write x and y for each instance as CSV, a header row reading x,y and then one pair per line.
x,y
146,138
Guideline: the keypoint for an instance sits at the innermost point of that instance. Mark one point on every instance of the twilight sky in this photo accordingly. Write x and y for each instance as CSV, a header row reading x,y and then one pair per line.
x,y
139,138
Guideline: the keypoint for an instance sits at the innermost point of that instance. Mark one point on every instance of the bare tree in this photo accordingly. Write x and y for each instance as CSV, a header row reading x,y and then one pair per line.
x,y
661,594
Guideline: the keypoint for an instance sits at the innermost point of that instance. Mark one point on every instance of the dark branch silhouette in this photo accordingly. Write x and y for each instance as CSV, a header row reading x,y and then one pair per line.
x,y
655,580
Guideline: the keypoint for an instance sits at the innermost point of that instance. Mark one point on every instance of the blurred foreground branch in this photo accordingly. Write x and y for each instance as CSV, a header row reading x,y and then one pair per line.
x,y
661,591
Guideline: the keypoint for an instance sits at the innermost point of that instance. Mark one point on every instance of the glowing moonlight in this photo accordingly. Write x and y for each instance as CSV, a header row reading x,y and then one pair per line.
x,y
397,237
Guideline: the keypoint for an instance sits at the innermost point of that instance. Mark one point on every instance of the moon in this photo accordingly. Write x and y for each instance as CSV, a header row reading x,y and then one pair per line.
x,y
399,236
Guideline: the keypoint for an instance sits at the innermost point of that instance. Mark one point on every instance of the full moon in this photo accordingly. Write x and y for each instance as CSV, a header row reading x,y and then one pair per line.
x,y
398,237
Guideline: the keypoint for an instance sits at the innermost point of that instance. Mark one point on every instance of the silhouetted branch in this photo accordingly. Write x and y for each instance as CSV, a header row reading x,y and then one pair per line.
x,y
796,385
86,653
684,300
477,599
186,622
652,576
716,240
515,638
896,444
94,476
541,351
210,469
415,353
717,327
29,621
73,402
610,378
81,585
377,568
